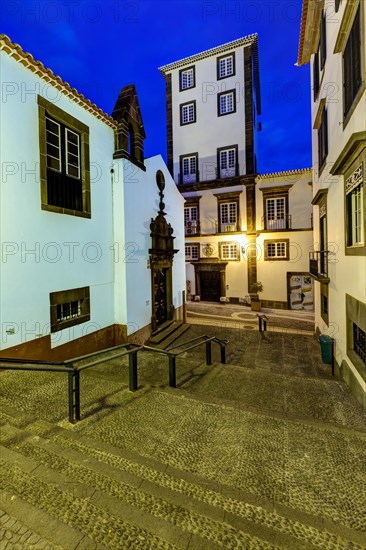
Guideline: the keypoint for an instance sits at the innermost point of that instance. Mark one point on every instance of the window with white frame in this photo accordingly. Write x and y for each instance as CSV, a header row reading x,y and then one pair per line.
x,y
188,113
228,216
225,66
189,169
276,250
187,78
355,207
276,213
191,220
227,162
226,103
192,251
229,251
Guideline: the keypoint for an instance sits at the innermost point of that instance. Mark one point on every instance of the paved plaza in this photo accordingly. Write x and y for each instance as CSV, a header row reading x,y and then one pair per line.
x,y
265,452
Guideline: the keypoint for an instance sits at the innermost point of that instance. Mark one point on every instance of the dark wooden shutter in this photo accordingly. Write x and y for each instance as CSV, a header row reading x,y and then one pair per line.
x,y
323,41
316,74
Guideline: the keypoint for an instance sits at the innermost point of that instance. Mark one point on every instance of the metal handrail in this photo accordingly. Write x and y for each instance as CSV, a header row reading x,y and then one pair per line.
x,y
172,355
73,371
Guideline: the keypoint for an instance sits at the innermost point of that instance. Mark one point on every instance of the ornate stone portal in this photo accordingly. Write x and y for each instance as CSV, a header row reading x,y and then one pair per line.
x,y
161,262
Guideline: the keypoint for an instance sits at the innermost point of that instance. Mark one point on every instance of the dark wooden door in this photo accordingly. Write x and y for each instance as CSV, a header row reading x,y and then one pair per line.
x,y
210,286
160,298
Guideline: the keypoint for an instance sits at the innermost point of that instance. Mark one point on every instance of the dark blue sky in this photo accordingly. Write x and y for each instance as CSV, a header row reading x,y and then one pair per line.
x,y
98,46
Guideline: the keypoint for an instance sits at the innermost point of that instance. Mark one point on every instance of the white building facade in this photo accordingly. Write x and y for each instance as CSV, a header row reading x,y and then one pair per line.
x,y
332,41
76,239
240,228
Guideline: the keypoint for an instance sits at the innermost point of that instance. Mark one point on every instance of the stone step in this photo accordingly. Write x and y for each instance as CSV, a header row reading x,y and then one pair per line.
x,y
173,327
206,501
158,517
320,400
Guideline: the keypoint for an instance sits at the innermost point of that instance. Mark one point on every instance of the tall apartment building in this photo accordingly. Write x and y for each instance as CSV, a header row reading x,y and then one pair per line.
x,y
332,41
236,224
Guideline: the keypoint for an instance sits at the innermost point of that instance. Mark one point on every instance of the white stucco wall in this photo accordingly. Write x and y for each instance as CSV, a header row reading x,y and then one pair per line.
x,y
346,273
27,279
223,130
141,200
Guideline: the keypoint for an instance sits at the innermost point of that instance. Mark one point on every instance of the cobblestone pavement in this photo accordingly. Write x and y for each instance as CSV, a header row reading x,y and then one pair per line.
x,y
266,452
239,316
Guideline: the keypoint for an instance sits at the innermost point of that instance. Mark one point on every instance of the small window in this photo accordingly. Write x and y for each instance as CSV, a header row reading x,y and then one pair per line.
x,y
276,250
359,342
188,113
226,102
354,187
225,66
228,216
187,78
276,215
69,308
352,73
323,139
324,303
192,251
188,168
229,251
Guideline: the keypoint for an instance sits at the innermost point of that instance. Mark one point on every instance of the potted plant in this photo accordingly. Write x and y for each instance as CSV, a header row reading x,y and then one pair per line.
x,y
255,288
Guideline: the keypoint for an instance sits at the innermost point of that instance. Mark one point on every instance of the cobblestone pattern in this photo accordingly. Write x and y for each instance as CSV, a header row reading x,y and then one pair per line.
x,y
14,535
322,539
324,400
94,522
301,466
206,528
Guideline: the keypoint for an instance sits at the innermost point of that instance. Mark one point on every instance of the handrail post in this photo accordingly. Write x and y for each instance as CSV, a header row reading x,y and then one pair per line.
x,y
265,323
208,353
74,395
172,371
260,323
132,363
223,354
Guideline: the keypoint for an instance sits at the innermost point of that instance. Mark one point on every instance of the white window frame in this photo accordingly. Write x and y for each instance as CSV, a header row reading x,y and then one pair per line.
x,y
226,66
276,215
228,214
229,251
192,252
187,79
63,316
227,103
227,162
188,113
189,169
67,132
48,131
355,207
280,250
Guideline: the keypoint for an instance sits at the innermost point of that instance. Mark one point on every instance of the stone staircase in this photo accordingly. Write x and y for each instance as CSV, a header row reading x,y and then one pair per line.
x,y
168,333
236,458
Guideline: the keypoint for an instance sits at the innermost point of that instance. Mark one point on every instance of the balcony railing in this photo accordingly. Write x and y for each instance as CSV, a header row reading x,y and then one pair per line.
x,y
188,178
318,265
192,228
277,223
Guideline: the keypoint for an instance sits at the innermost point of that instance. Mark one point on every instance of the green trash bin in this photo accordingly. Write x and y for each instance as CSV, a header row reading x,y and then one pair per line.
x,y
326,348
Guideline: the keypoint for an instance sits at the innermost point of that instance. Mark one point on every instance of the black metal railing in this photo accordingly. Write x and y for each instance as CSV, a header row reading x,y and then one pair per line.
x,y
173,354
73,370
277,223
318,265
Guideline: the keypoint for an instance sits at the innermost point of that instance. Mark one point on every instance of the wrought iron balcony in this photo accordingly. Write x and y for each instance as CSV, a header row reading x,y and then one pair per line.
x,y
192,228
277,223
318,265
189,178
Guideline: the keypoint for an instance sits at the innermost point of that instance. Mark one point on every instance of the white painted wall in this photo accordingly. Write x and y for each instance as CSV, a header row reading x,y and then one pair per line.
x,y
209,132
27,279
141,199
347,273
